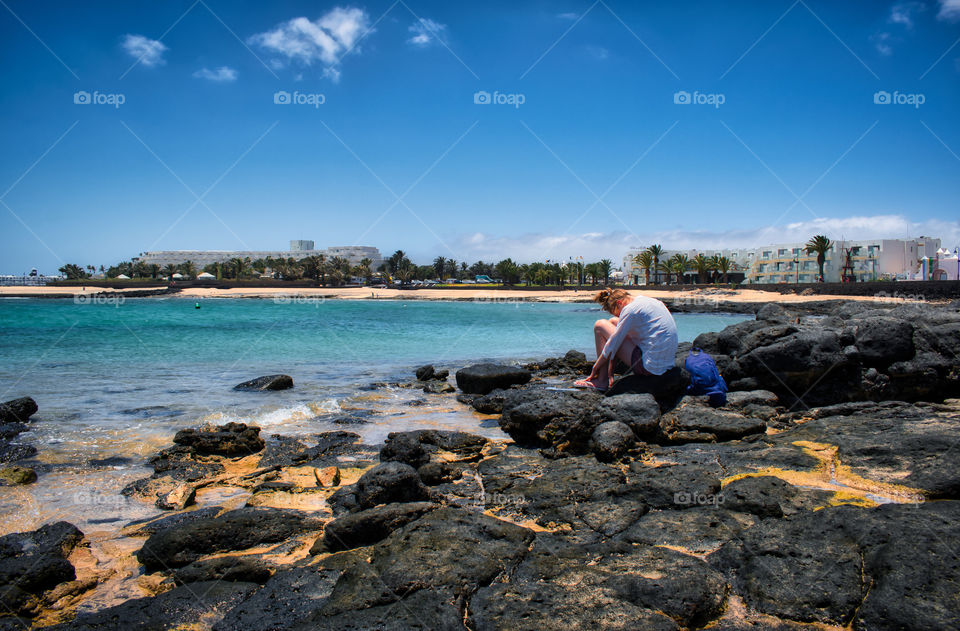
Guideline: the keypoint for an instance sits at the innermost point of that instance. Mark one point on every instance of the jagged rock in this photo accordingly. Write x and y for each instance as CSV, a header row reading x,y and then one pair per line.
x,y
13,453
180,497
694,421
698,530
238,529
33,562
416,447
438,387
388,483
18,410
666,388
611,440
242,569
232,439
882,568
421,610
268,382
484,378
536,606
181,607
550,418
640,412
16,476
674,486
428,372
369,526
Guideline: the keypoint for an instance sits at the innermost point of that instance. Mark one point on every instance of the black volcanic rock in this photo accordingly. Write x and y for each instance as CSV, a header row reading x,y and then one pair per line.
x,y
268,382
232,439
17,410
485,378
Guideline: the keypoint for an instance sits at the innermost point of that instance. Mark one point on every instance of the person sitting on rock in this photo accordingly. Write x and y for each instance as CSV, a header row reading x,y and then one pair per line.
x,y
642,333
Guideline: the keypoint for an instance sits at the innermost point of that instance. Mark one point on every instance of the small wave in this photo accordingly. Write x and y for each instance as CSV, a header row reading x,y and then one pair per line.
x,y
278,417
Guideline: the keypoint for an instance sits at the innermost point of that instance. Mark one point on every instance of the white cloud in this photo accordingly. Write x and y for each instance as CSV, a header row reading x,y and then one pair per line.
x,y
881,42
598,52
223,74
594,246
426,31
147,51
568,16
949,10
326,39
903,13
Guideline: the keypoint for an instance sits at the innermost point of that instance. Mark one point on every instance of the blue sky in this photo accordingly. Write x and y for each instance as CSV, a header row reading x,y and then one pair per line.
x,y
582,150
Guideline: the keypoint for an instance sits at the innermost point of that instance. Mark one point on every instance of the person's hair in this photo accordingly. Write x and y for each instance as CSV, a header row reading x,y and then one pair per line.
x,y
608,298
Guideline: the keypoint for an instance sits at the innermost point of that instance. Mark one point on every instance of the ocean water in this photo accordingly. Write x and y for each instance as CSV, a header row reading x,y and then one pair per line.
x,y
118,380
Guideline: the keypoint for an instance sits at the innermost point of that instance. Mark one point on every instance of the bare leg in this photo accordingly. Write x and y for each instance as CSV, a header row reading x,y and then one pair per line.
x,y
602,331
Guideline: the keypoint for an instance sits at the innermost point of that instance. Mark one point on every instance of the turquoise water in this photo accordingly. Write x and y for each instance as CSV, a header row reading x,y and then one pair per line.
x,y
120,379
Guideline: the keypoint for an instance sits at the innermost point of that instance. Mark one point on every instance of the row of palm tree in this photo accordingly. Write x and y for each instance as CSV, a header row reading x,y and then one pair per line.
x,y
679,264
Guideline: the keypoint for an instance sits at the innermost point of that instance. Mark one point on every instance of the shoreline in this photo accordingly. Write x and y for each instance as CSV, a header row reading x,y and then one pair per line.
x,y
694,299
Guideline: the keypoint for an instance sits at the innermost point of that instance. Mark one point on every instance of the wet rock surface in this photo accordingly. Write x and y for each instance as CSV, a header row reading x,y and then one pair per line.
x,y
32,563
232,439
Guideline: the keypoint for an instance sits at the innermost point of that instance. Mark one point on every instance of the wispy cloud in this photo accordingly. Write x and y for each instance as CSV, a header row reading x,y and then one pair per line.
x,y
223,74
949,10
598,52
148,52
882,42
325,40
426,31
903,13
568,16
613,245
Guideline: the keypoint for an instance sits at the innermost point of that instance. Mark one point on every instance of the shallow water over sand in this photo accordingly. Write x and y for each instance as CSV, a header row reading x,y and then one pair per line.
x,y
115,382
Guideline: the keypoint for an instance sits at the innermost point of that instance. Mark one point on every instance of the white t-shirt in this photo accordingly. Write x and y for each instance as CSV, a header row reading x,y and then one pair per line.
x,y
647,323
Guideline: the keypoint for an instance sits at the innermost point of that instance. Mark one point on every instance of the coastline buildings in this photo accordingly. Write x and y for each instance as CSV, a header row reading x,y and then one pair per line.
x,y
870,259
299,249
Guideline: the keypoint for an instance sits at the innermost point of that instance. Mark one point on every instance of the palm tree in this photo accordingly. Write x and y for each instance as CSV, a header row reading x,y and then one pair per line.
x,y
439,265
723,265
821,245
656,251
365,270
604,267
188,269
339,269
169,270
703,264
645,261
313,267
679,263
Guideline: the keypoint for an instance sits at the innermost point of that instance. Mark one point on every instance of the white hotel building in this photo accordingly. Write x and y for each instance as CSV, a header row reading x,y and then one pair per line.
x,y
876,259
299,249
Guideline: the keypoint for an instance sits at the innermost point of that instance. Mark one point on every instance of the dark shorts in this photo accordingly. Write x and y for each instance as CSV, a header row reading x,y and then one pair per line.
x,y
636,361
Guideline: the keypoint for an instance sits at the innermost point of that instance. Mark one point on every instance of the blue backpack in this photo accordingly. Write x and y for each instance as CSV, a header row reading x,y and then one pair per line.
x,y
705,378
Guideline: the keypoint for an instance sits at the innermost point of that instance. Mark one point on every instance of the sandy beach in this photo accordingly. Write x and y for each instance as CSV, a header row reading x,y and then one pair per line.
x,y
499,295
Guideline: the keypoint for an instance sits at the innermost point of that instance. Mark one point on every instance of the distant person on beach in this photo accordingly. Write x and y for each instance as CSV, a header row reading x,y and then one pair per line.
x,y
642,333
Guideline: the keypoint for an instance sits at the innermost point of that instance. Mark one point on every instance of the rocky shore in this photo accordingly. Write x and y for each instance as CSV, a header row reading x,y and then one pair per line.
x,y
824,494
